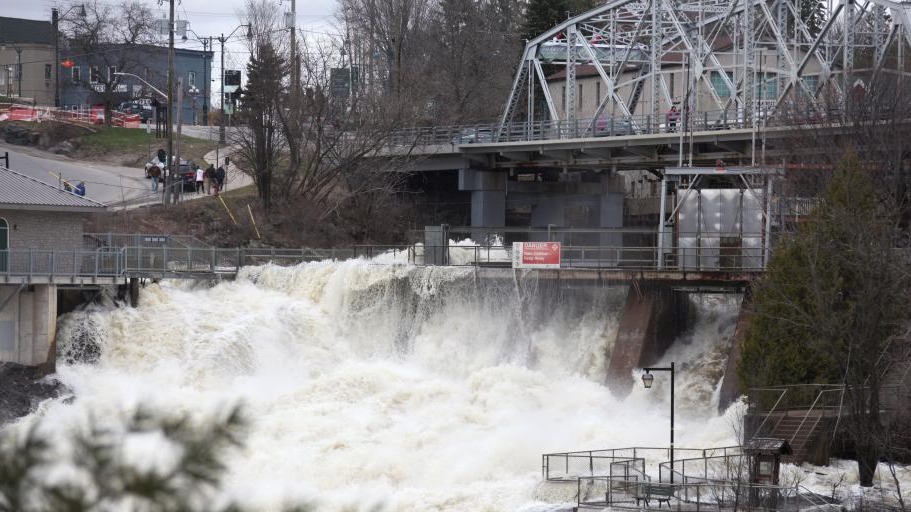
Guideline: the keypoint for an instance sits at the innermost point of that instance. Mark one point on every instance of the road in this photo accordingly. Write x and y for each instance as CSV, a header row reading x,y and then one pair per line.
x,y
108,184
103,183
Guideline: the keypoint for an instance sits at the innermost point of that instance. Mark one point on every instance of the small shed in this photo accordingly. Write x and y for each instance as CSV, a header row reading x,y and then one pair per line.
x,y
764,454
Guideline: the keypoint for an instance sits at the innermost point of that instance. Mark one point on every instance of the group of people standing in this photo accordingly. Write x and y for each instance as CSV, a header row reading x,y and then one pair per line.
x,y
210,179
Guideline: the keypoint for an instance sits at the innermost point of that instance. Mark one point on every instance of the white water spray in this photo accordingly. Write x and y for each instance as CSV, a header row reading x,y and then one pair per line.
x,y
398,387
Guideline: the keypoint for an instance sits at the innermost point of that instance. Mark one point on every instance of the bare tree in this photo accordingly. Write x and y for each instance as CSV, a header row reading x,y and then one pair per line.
x,y
309,148
107,38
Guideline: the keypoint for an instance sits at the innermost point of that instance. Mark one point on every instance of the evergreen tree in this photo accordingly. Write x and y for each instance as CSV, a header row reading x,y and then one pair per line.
x,y
261,101
834,293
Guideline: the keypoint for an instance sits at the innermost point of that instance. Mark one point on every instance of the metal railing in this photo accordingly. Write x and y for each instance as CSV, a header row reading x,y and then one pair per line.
x,y
763,115
623,462
162,260
603,126
31,263
96,240
734,258
599,492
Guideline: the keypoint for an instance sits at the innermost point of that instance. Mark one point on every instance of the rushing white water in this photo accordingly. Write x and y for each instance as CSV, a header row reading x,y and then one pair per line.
x,y
397,387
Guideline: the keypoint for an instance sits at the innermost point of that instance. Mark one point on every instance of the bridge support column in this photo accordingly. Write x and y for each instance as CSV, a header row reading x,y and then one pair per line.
x,y
488,196
647,328
611,216
28,324
134,291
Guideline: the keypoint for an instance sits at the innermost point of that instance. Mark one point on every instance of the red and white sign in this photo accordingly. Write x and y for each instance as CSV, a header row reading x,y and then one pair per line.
x,y
536,254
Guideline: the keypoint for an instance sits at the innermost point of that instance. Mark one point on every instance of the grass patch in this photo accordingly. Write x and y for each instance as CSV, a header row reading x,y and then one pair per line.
x,y
134,147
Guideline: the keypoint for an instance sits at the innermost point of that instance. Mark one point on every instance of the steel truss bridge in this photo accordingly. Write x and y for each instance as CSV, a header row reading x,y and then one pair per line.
x,y
731,68
738,58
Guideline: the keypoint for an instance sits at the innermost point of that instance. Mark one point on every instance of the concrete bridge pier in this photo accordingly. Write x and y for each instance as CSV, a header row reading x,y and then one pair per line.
x,y
28,323
488,197
652,316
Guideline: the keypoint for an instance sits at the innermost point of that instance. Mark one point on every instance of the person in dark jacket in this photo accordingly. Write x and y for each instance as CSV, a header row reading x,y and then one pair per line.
x,y
210,178
80,189
219,179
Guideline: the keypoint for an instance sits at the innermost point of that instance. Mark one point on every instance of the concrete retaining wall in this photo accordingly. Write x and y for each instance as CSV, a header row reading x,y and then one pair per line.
x,y
648,326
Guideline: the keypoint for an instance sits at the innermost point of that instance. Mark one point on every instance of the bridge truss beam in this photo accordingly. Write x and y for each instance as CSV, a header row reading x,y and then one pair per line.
x,y
742,59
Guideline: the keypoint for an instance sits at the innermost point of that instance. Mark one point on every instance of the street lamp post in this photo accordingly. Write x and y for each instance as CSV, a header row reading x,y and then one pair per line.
x,y
206,47
647,381
137,77
221,122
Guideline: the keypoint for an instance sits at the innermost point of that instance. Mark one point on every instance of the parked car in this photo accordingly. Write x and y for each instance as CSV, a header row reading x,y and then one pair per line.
x,y
605,126
187,175
131,107
473,136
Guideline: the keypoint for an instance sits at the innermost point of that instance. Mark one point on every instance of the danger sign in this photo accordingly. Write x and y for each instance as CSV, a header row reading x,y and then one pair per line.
x,y
536,255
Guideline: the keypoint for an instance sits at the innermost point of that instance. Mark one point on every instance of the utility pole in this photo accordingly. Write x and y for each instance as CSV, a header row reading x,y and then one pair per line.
x,y
221,120
169,177
55,21
295,64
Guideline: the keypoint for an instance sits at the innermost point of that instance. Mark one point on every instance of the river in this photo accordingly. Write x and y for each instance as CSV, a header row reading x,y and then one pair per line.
x,y
392,387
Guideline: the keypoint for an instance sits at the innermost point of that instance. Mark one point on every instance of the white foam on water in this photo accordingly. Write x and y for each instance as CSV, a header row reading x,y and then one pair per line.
x,y
392,386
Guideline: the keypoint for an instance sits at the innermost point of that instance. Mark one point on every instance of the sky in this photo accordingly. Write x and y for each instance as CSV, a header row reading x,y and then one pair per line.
x,y
206,18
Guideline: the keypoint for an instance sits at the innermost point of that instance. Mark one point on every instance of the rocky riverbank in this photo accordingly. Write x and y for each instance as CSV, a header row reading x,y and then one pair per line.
x,y
24,387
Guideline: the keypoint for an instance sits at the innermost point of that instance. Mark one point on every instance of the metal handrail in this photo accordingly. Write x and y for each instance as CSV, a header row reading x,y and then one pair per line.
x,y
614,126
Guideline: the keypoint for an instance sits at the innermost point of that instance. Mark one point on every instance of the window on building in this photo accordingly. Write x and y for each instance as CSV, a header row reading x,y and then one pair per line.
x,y
579,100
670,86
767,86
564,98
720,86
111,71
94,75
597,93
47,71
76,73
811,82
191,79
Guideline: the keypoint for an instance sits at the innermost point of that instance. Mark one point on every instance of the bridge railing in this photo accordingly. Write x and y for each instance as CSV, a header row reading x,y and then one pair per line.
x,y
602,126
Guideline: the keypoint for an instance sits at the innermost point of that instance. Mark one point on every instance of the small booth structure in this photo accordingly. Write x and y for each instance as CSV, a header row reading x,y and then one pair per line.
x,y
764,461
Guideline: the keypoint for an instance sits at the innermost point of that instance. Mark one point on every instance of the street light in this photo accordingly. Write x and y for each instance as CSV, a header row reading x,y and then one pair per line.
x,y
222,39
55,21
206,47
647,380
137,77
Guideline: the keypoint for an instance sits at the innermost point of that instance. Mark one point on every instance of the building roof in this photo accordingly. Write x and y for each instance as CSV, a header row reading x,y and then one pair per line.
x,y
767,445
22,31
21,192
